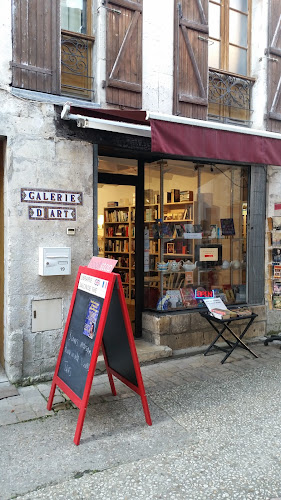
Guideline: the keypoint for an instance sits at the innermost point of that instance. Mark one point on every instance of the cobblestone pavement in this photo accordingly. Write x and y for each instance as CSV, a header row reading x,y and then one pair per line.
x,y
215,435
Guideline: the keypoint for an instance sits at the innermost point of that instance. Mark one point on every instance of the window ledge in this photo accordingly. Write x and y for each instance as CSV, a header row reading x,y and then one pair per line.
x,y
52,98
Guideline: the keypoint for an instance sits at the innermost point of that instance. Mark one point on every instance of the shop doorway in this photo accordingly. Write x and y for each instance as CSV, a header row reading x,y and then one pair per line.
x,y
118,230
1,253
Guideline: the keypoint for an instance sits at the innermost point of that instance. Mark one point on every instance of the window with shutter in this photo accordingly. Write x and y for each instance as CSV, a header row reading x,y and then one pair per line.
x,y
124,53
191,58
274,67
76,48
35,30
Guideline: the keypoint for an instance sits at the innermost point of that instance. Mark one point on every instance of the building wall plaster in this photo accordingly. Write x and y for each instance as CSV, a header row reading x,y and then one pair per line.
x,y
36,158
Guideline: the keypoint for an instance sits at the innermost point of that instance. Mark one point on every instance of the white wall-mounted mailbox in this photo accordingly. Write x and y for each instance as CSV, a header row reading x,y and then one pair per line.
x,y
54,261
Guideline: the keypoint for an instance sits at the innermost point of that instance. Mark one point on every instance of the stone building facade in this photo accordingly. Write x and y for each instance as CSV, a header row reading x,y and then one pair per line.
x,y
37,153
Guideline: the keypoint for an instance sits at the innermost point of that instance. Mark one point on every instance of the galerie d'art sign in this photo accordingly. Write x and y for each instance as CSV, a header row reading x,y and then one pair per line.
x,y
98,317
51,197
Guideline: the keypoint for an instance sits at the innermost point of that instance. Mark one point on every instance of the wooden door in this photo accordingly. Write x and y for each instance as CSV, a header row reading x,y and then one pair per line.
x,y
274,67
191,58
124,53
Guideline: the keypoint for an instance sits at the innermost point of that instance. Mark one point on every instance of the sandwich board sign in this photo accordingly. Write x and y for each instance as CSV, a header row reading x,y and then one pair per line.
x,y
97,318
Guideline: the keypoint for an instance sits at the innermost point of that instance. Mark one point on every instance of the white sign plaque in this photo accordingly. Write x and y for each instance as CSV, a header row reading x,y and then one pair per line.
x,y
51,196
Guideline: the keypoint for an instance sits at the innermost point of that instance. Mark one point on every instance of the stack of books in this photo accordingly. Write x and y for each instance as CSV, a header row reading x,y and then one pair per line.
x,y
223,313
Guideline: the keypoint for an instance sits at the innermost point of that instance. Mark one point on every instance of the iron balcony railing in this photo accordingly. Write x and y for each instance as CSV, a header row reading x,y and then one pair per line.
x,y
229,97
76,65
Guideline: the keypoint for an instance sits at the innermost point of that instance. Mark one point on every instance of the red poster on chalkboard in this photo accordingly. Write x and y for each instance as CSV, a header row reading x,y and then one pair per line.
x,y
98,317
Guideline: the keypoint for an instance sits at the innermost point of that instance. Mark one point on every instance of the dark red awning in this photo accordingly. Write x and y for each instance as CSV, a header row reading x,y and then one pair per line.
x,y
184,137
178,139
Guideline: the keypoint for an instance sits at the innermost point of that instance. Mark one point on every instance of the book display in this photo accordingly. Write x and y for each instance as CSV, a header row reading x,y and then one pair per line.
x,y
274,281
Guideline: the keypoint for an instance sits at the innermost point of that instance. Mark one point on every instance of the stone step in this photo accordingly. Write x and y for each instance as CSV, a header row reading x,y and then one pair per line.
x,y
146,351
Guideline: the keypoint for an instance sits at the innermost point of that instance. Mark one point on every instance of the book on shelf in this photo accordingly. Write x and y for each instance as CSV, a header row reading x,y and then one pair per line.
x,y
111,204
186,196
116,216
175,195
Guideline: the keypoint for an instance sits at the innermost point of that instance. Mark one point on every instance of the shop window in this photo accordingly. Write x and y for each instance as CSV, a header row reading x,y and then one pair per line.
x,y
229,60
195,234
76,48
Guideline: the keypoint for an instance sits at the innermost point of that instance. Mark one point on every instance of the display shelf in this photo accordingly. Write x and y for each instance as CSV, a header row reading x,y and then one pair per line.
x,y
113,251
174,221
121,219
274,266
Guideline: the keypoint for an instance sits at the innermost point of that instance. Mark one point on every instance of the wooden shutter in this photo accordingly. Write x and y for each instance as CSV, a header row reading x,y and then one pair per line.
x,y
274,67
36,45
124,53
191,58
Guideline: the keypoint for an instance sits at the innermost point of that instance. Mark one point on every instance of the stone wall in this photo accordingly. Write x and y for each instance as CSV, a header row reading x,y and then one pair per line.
x,y
36,158
183,330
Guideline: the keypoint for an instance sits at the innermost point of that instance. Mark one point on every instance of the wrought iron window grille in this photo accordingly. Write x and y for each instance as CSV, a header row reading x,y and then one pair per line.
x,y
76,67
230,91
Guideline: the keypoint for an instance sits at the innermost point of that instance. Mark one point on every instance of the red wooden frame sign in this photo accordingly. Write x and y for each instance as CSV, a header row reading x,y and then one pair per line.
x,y
82,403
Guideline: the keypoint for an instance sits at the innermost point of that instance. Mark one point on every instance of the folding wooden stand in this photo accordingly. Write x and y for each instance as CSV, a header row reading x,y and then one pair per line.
x,y
79,352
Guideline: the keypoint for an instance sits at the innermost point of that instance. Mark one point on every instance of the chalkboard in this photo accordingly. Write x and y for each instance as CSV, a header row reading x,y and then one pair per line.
x,y
78,348
115,340
98,314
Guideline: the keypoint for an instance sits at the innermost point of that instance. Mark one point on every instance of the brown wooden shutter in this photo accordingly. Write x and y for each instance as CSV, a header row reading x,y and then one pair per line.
x,y
191,58
36,45
124,53
274,67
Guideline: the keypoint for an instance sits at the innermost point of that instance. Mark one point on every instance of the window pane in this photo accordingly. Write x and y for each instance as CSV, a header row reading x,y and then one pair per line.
x,y
239,5
73,15
214,54
237,60
195,237
238,28
214,20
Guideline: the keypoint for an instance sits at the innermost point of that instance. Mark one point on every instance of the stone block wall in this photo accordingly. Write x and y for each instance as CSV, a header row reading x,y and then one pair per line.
x,y
183,330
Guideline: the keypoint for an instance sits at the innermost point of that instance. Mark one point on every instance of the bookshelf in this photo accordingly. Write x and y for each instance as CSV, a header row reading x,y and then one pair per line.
x,y
175,216
274,248
119,244
119,241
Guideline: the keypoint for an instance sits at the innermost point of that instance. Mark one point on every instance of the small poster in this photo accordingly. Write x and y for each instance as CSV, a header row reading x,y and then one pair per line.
x,y
90,325
277,271
276,301
277,288
227,227
276,255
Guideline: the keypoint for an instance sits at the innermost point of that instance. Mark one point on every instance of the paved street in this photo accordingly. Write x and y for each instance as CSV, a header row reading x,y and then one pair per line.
x,y
215,435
